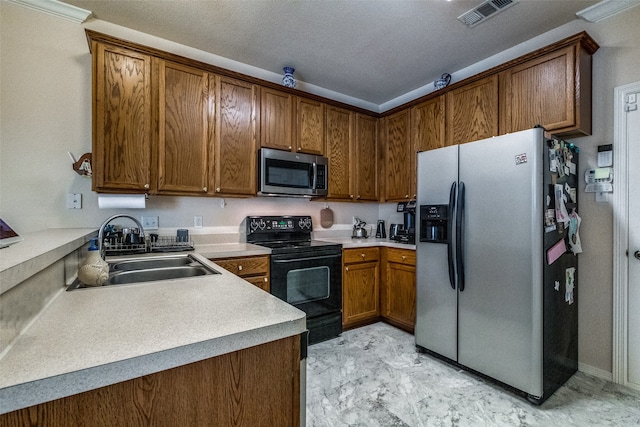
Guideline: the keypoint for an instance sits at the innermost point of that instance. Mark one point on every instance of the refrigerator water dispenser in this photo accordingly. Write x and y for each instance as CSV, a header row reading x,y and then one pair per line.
x,y
434,223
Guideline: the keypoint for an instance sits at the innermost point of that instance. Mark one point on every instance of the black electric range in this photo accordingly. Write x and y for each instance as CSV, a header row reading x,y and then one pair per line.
x,y
306,273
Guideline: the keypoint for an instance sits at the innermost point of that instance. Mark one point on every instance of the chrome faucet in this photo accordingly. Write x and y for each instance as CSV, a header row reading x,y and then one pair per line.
x,y
107,221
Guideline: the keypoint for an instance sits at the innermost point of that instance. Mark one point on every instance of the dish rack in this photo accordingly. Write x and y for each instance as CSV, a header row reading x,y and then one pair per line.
x,y
157,244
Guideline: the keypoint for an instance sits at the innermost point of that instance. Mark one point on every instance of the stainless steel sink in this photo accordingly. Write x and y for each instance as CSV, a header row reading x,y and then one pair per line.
x,y
147,269
150,263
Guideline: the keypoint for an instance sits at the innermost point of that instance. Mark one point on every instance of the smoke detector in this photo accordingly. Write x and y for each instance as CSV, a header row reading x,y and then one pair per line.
x,y
485,11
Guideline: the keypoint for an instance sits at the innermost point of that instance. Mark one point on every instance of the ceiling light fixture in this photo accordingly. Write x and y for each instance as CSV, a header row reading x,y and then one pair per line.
x,y
605,9
485,11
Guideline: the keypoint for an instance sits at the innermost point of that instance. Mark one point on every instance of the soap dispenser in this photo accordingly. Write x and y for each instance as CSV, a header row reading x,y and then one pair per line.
x,y
94,271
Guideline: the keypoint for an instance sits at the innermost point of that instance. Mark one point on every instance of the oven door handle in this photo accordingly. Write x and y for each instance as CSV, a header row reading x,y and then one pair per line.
x,y
311,258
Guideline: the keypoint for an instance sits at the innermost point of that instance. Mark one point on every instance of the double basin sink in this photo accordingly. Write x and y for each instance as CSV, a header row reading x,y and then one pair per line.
x,y
147,269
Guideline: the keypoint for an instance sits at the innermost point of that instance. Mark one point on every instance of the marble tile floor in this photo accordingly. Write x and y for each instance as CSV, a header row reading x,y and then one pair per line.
x,y
373,376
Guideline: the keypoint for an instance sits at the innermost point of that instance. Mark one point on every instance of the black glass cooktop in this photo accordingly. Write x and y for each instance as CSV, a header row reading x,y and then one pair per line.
x,y
292,246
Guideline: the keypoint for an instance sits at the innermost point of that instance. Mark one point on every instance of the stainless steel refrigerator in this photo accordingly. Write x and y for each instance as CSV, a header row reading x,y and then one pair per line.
x,y
496,281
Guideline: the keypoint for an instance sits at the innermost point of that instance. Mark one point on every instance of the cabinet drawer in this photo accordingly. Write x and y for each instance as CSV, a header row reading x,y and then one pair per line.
x,y
402,256
359,255
245,266
260,281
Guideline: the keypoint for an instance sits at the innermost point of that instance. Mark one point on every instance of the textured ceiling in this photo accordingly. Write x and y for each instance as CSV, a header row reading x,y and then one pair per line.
x,y
373,50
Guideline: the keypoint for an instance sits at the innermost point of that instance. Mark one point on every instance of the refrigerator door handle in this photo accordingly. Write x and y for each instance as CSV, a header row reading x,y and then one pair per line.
x,y
460,237
450,255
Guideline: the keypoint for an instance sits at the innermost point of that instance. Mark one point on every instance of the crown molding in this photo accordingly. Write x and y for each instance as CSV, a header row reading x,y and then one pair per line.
x,y
605,9
56,8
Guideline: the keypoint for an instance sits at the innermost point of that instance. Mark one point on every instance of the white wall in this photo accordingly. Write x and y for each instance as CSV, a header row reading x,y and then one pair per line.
x,y
45,111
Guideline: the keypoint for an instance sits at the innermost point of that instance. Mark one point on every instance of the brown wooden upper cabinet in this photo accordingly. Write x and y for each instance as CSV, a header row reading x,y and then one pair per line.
x,y
553,90
472,111
291,123
204,138
309,126
183,148
351,146
365,161
399,158
235,139
339,150
122,111
428,124
206,133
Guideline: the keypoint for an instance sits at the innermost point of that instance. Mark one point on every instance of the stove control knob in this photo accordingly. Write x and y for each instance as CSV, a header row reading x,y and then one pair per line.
x,y
262,224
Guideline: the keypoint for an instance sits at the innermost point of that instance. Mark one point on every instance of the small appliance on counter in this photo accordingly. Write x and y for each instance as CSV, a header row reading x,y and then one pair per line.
x,y
359,229
406,232
380,231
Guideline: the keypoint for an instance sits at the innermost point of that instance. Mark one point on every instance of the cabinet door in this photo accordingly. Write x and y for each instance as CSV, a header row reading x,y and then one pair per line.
x,y
398,295
472,111
360,287
398,163
427,124
540,92
121,120
309,126
183,143
276,119
366,155
338,148
235,136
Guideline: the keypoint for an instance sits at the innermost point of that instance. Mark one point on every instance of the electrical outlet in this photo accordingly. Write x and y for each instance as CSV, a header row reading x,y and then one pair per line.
x,y
74,201
197,221
150,222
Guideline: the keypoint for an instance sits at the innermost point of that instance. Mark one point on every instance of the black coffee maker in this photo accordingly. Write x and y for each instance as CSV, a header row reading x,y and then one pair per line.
x,y
407,234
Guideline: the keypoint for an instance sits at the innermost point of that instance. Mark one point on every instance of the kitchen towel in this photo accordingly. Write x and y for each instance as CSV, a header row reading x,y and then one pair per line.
x,y
121,201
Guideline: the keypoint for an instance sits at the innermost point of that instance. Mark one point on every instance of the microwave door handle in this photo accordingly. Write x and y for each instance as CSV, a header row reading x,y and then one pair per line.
x,y
314,178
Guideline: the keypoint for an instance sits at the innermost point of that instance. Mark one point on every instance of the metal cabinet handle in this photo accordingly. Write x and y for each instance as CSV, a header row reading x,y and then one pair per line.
x,y
240,268
266,280
346,268
218,189
363,256
299,148
404,257
636,254
290,147
204,188
146,186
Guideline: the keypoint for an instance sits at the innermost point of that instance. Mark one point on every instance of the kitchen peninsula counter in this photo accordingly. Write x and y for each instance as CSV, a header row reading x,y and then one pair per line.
x,y
90,338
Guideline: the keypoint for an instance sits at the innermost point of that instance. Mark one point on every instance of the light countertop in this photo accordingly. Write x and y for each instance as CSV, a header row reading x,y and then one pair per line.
x,y
350,243
91,338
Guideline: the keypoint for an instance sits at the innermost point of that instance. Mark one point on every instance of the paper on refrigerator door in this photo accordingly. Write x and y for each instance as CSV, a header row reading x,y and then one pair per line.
x,y
561,210
574,229
569,284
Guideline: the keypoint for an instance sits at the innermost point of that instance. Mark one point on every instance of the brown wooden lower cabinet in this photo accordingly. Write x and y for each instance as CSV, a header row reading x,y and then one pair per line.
x,y
379,283
360,286
253,269
257,386
398,288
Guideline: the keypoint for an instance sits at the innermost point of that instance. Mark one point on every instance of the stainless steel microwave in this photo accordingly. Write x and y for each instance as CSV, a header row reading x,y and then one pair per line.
x,y
282,173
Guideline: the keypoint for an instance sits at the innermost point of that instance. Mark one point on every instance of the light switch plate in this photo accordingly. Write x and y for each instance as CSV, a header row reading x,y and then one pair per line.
x,y
197,221
74,201
150,222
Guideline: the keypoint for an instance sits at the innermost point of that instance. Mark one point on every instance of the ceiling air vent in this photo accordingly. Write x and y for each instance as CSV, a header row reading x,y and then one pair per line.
x,y
484,11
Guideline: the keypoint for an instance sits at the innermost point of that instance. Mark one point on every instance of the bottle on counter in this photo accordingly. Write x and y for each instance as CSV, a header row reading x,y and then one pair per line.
x,y
94,271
